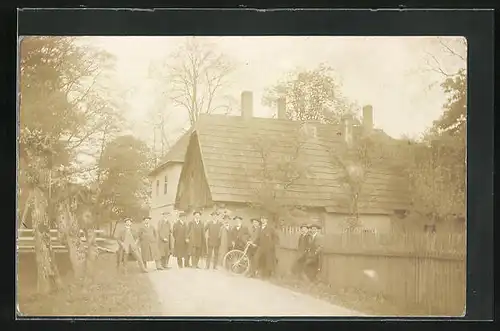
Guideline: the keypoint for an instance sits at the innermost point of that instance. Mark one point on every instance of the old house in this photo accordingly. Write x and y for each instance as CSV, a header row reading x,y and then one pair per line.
x,y
252,164
165,178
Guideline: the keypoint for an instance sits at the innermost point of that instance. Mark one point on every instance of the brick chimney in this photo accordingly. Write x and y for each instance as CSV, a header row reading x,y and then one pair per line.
x,y
367,119
247,104
282,108
347,129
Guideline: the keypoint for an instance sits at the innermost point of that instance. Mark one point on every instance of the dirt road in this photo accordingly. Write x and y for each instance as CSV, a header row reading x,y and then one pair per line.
x,y
199,292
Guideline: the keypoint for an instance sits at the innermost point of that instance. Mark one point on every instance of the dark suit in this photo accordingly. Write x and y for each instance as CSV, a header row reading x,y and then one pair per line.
x,y
313,260
196,236
253,249
164,234
180,232
266,252
240,237
213,242
302,248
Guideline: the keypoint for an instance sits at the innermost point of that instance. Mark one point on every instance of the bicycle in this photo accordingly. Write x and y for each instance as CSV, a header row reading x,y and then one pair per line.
x,y
237,261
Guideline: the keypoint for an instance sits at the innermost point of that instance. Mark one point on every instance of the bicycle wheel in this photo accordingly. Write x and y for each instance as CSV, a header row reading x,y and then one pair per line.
x,y
236,262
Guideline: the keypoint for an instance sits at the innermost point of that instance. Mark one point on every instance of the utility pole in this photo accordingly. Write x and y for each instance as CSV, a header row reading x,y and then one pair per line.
x,y
154,145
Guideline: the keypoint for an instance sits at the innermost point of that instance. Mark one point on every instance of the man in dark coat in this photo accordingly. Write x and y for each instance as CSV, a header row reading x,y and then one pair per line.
x,y
302,249
148,240
266,251
213,230
313,261
196,239
239,234
225,240
164,234
253,248
180,232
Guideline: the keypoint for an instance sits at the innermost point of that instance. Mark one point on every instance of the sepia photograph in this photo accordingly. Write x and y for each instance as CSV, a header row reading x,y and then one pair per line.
x,y
241,176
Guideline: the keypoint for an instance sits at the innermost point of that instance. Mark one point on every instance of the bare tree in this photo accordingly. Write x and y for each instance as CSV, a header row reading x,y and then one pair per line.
x,y
447,56
282,165
356,161
197,75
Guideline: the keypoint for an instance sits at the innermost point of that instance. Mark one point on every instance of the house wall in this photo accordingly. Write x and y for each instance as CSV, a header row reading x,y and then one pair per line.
x,y
193,191
417,223
336,222
161,201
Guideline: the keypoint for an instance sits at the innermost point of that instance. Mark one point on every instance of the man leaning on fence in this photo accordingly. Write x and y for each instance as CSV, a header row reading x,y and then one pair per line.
x,y
127,243
302,250
314,251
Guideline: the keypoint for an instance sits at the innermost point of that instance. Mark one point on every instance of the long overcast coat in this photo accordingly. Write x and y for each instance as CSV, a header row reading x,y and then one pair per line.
x,y
164,237
148,241
180,231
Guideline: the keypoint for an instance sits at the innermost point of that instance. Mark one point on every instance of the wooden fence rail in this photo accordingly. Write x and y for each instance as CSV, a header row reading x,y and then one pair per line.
x,y
424,270
26,240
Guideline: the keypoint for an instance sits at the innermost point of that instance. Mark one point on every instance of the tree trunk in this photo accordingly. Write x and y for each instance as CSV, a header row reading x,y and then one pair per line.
x,y
92,251
114,229
70,231
47,273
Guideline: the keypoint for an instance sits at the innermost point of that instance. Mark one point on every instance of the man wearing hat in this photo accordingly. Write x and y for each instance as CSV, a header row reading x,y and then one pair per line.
x,y
225,239
239,234
179,233
267,248
164,234
213,231
128,244
149,244
196,238
253,248
302,249
313,261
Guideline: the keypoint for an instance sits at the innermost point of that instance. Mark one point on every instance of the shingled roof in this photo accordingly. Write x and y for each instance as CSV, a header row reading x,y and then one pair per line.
x,y
176,154
232,150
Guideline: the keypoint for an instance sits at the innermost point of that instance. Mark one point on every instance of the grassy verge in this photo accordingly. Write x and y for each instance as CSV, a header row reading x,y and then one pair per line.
x,y
349,298
108,293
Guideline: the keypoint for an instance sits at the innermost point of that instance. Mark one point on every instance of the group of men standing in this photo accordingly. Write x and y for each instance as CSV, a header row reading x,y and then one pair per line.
x,y
309,248
189,241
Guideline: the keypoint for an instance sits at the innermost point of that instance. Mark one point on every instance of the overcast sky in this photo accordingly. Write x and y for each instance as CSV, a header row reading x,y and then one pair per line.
x,y
389,73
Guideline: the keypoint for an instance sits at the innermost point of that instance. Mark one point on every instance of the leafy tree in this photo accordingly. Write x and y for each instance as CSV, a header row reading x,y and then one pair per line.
x,y
62,107
311,95
124,186
438,166
453,119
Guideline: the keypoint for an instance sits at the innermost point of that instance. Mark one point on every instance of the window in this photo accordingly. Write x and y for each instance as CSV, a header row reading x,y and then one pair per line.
x,y
157,187
165,185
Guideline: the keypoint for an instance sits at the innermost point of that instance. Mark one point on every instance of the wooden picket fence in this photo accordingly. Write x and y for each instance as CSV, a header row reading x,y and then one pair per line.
x,y
26,241
413,269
